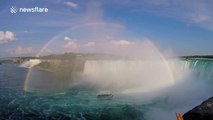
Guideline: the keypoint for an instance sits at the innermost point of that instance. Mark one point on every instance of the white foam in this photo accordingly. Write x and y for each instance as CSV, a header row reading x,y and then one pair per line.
x,y
30,63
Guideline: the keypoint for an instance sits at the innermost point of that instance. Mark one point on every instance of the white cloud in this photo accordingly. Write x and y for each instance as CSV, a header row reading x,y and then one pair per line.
x,y
90,44
71,44
201,18
67,38
72,4
27,31
22,50
1,36
121,43
7,36
196,12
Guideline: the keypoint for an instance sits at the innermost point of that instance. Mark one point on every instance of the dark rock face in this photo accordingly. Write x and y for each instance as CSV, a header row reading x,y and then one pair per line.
x,y
202,112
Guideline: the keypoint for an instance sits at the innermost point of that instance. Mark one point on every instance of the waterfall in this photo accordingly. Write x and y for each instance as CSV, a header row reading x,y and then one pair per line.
x,y
203,68
30,63
132,74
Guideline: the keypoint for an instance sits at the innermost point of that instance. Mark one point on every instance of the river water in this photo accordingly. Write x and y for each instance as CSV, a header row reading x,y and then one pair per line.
x,y
82,104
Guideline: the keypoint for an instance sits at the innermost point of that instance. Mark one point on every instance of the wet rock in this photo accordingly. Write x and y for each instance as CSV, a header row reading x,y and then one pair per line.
x,y
202,112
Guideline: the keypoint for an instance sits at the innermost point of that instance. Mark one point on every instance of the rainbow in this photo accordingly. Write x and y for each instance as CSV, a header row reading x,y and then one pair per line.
x,y
51,41
165,61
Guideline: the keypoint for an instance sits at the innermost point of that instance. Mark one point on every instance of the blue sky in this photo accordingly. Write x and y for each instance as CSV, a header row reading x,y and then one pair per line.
x,y
176,27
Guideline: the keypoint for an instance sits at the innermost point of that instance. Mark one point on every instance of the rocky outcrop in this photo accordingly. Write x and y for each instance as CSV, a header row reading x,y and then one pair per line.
x,y
202,112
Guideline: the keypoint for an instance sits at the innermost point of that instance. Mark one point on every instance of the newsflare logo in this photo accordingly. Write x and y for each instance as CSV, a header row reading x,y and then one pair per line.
x,y
13,9
36,9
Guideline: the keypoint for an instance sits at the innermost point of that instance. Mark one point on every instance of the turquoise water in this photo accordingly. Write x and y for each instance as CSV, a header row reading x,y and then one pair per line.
x,y
16,104
82,104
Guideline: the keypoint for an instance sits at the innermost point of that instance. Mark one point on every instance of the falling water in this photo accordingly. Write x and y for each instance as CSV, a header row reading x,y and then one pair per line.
x,y
30,63
133,75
